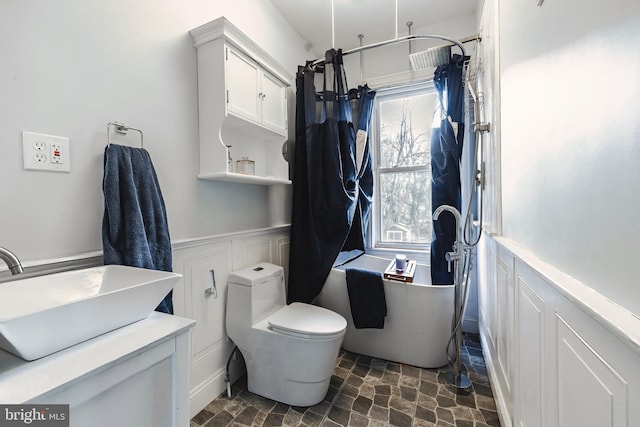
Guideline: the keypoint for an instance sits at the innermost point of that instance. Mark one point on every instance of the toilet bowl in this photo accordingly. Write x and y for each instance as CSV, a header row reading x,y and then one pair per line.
x,y
290,350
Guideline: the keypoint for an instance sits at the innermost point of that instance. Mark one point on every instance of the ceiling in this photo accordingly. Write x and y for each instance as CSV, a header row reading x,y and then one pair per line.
x,y
375,19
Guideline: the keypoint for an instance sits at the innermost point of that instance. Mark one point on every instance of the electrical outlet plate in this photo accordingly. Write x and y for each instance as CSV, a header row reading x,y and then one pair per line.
x,y
45,152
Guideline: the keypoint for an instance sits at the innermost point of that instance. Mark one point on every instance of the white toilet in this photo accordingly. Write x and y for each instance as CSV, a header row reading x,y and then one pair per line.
x,y
290,350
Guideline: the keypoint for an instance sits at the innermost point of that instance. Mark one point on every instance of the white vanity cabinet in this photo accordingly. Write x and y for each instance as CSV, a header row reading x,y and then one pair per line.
x,y
242,106
137,375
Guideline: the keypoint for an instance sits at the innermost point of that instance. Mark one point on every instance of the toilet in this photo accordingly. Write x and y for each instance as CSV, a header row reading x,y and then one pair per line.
x,y
290,350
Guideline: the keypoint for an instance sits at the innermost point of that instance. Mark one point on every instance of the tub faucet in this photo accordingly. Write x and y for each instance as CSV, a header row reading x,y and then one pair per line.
x,y
11,260
456,377
456,255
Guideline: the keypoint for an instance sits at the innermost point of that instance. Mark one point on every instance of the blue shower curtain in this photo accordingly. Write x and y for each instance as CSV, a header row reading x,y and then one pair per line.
x,y
331,194
361,100
446,152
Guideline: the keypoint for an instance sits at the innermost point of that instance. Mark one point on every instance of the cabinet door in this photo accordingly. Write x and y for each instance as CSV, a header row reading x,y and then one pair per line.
x,y
274,103
243,85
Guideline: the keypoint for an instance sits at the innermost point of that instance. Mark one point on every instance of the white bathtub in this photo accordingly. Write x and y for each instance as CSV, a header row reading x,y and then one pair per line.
x,y
418,322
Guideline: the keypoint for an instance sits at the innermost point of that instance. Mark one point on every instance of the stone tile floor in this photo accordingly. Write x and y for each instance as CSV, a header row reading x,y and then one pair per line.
x,y
370,392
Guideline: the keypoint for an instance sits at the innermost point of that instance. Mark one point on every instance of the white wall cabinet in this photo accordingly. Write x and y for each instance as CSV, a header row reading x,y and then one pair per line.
x,y
197,297
242,77
255,94
274,103
242,106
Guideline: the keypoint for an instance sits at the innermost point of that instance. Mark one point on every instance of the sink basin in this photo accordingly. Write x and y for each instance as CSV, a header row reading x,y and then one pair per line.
x,y
45,314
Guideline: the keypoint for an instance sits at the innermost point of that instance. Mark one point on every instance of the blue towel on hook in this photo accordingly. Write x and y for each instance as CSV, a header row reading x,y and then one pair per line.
x,y
366,297
134,225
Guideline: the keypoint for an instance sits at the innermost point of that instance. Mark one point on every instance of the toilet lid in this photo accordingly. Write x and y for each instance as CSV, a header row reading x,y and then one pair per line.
x,y
306,319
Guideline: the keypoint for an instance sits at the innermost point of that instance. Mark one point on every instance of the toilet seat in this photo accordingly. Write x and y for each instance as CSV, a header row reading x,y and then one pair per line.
x,y
307,321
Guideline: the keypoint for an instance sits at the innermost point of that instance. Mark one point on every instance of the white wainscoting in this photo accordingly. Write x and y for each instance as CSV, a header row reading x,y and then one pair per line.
x,y
199,261
504,334
530,349
202,262
558,353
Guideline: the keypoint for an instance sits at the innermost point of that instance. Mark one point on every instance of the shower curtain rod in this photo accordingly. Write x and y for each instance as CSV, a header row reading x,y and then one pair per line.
x,y
453,42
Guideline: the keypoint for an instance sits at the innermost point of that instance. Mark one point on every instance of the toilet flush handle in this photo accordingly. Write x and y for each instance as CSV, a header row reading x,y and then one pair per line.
x,y
212,290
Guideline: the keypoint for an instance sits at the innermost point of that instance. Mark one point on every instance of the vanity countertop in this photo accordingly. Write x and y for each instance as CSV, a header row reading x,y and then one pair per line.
x,y
22,381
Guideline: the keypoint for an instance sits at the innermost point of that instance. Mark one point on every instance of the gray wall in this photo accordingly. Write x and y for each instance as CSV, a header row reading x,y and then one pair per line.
x,y
570,97
69,67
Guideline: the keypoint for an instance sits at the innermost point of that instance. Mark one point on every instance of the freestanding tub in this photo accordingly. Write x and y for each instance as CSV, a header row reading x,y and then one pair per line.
x,y
419,316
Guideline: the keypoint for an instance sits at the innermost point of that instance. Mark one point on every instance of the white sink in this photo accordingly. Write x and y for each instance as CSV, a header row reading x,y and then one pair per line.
x,y
42,315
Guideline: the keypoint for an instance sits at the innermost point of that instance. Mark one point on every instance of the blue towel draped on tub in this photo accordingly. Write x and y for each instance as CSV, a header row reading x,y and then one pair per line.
x,y
366,296
134,225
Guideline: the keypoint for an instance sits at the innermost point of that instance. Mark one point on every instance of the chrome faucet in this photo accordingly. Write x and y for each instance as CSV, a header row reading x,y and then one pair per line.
x,y
456,255
11,260
456,377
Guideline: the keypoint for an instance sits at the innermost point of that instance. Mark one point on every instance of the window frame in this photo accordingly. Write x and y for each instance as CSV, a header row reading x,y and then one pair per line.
x,y
375,226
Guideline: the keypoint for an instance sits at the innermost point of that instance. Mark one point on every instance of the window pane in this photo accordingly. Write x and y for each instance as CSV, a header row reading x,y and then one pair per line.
x,y
405,206
405,130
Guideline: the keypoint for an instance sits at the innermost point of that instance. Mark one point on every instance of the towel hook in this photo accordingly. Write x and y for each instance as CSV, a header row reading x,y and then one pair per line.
x,y
122,129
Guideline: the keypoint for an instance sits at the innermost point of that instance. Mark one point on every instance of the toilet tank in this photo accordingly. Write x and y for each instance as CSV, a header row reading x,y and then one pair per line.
x,y
262,288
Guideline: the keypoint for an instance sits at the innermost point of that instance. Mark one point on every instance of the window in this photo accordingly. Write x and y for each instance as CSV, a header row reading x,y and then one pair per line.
x,y
401,141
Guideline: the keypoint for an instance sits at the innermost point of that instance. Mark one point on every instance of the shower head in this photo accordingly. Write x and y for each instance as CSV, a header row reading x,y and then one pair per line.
x,y
430,58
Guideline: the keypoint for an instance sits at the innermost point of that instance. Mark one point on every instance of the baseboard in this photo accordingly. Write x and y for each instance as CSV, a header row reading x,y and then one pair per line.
x,y
211,388
205,392
501,405
470,325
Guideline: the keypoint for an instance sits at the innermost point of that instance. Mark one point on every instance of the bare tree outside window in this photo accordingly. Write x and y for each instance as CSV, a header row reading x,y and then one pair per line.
x,y
403,168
